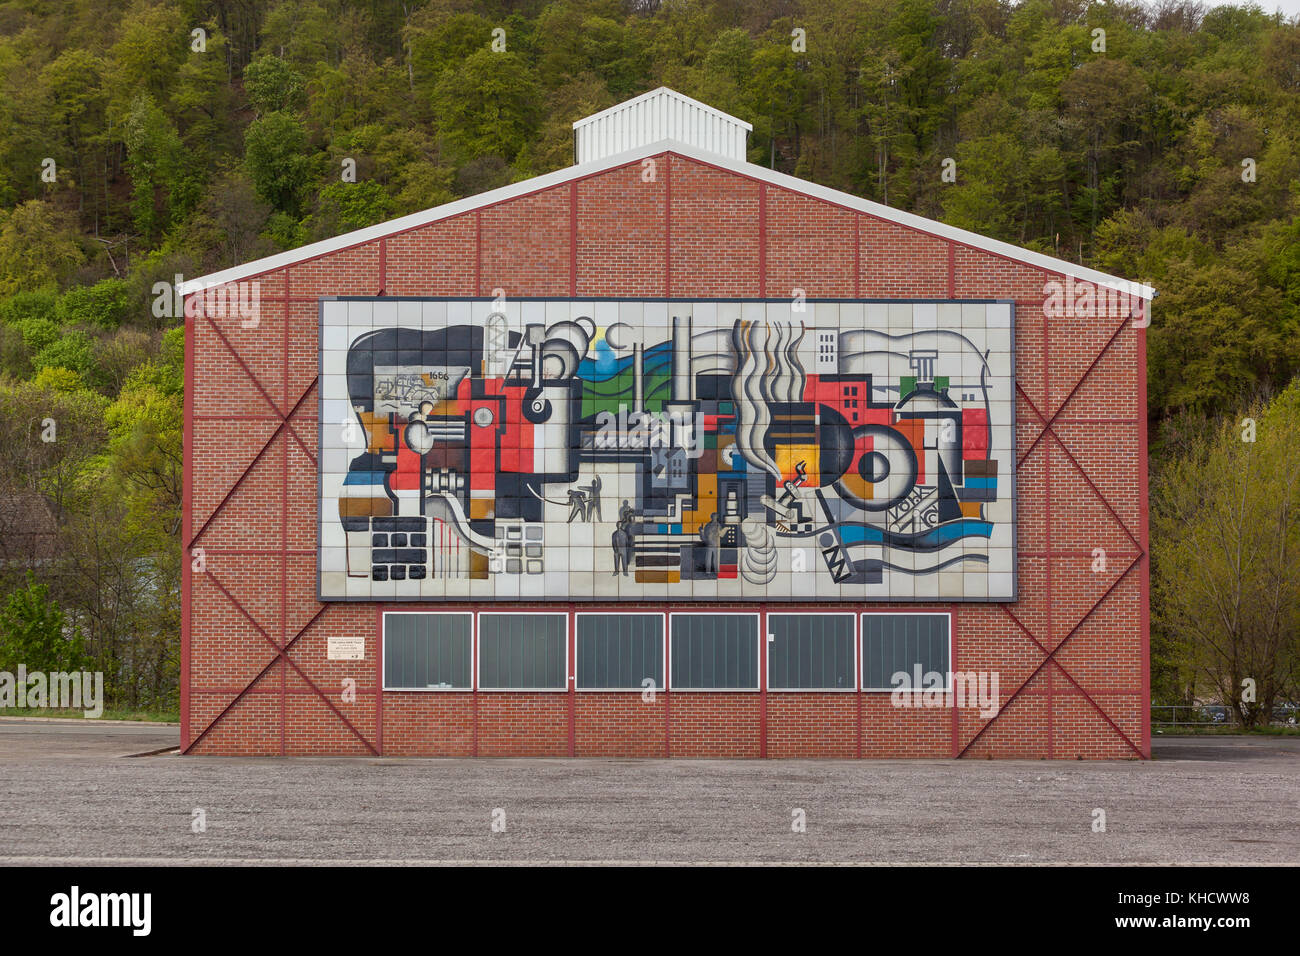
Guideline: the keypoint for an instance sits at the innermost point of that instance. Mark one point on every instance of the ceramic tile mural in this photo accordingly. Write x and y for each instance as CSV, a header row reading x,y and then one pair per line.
x,y
569,450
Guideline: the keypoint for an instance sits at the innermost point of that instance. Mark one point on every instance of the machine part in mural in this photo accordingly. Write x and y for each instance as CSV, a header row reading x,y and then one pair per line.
x,y
596,450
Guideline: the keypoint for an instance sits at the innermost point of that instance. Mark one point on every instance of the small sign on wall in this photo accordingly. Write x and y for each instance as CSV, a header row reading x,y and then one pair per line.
x,y
346,648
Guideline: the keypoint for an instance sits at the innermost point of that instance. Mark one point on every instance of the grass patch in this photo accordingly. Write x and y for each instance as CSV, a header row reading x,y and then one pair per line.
x,y
1218,730
110,713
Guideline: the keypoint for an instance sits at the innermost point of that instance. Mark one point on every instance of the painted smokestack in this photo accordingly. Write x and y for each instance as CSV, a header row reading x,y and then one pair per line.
x,y
638,378
683,381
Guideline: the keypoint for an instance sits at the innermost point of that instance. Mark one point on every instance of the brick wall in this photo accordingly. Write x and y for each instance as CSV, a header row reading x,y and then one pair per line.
x,y
684,229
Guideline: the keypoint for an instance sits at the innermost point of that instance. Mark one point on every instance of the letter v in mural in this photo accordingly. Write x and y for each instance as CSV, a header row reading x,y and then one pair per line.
x,y
558,449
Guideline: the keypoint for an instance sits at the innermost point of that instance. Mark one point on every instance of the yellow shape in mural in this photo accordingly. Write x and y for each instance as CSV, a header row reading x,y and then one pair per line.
x,y
789,457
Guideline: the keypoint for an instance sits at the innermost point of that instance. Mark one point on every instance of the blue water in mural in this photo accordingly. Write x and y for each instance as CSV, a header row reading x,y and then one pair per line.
x,y
931,539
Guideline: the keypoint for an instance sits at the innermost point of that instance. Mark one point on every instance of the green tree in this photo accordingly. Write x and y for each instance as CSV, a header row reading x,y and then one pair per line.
x,y
1215,334
38,304
76,86
72,350
491,105
38,332
1225,541
57,468
278,162
152,42
343,207
38,247
153,150
104,305
145,441
34,632
273,85
202,107
438,41
303,33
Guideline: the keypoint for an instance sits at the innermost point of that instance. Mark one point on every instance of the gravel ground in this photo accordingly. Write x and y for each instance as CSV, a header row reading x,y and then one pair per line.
x,y
67,795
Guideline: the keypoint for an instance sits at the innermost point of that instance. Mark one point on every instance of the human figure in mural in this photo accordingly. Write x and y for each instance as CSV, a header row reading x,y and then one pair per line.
x,y
621,541
625,513
577,505
593,500
712,536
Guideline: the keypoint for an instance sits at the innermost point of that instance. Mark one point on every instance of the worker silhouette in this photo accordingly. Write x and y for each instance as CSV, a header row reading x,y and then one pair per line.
x,y
621,541
712,537
593,500
577,505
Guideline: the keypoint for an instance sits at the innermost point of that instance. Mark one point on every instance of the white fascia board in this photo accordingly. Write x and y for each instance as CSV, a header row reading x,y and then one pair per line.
x,y
561,176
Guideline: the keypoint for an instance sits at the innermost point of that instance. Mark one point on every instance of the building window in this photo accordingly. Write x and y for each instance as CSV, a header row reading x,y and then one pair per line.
x,y
620,651
714,651
810,652
522,651
912,644
427,651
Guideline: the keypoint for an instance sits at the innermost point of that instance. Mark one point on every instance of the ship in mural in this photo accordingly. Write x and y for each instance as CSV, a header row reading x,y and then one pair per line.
x,y
728,451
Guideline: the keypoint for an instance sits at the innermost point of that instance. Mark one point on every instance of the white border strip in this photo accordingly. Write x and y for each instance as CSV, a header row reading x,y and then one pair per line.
x,y
663,650
473,652
758,649
863,615
478,655
857,653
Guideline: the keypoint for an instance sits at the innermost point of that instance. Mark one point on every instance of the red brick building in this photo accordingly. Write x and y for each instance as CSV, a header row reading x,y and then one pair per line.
x,y
872,486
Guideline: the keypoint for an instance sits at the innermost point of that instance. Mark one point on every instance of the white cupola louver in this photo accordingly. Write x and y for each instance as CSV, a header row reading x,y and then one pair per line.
x,y
658,115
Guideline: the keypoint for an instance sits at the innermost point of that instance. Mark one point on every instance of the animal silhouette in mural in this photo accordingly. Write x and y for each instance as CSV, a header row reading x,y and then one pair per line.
x,y
725,444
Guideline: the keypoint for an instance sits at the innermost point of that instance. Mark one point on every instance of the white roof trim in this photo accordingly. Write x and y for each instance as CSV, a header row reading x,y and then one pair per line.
x,y
559,177
663,91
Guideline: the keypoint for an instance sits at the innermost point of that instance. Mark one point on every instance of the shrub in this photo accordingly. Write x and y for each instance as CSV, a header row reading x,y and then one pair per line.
x,y
104,305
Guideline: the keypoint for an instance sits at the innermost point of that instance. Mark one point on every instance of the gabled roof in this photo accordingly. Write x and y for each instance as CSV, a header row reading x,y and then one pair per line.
x,y
662,93
659,114
758,173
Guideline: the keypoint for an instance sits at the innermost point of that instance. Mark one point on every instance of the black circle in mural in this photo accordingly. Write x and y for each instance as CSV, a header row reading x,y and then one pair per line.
x,y
873,466
537,408
872,484
834,445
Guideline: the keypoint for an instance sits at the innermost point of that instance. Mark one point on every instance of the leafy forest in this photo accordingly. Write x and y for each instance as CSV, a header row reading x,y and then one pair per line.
x,y
140,140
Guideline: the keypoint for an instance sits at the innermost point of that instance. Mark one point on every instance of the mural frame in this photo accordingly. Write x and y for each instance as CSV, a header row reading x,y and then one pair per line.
x,y
590,601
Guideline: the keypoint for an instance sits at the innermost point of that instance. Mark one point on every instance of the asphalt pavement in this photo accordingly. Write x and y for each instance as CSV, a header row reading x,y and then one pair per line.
x,y
70,792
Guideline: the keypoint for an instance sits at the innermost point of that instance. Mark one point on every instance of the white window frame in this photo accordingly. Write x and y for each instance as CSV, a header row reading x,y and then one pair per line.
x,y
758,649
663,649
568,636
473,652
947,687
857,654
